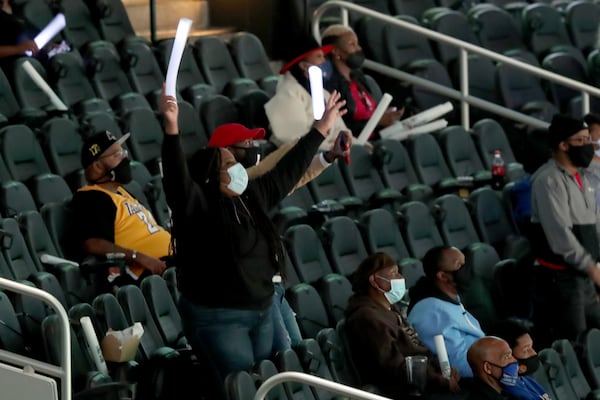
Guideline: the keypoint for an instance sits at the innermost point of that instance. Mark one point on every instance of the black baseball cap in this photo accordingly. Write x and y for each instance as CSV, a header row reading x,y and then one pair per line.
x,y
95,145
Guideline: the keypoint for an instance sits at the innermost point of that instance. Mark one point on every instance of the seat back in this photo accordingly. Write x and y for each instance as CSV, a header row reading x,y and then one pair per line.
x,y
27,92
418,228
22,152
9,106
217,110
80,28
581,18
10,330
15,252
287,360
496,29
15,198
146,137
170,277
360,175
114,24
49,188
381,233
436,72
557,375
544,28
453,23
459,150
263,370
403,46
430,166
330,184
572,368
136,309
454,221
143,69
591,357
239,385
566,64
307,253
164,311
191,131
313,363
251,60
336,357
310,311
335,290
344,244
62,143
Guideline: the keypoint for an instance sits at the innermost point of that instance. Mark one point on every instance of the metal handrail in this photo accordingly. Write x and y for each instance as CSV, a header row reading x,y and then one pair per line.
x,y
64,371
334,387
465,49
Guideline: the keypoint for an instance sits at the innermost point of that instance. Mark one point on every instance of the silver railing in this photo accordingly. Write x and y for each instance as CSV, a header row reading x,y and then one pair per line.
x,y
315,381
465,48
62,372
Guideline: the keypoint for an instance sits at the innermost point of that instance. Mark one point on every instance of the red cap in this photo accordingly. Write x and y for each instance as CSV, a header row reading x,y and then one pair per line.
x,y
325,49
227,134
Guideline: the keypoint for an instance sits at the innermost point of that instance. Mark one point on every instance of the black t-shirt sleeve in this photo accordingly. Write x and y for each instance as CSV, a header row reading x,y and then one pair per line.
x,y
93,215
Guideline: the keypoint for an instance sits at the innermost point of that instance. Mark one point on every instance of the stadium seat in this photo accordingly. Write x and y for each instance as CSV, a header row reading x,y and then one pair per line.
x,y
27,92
151,186
218,109
170,277
10,110
146,137
414,8
581,19
263,370
310,310
335,290
313,362
454,221
81,29
381,233
336,357
330,185
495,28
557,374
590,357
15,198
575,375
113,21
418,228
343,243
461,155
287,360
10,329
239,385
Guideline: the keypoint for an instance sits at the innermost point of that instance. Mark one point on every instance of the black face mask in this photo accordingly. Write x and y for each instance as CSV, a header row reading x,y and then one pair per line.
x,y
251,157
121,173
531,364
462,278
581,156
355,60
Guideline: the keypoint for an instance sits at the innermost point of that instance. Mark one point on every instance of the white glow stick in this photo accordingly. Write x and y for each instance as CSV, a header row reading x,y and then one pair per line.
x,y
53,260
41,83
183,29
396,132
315,77
427,115
382,107
57,24
93,345
442,354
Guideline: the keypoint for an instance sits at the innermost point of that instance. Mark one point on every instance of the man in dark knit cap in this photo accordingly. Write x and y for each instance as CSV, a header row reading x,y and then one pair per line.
x,y
565,232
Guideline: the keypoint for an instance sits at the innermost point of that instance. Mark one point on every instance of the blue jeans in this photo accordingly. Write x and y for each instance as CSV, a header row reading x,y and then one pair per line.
x,y
286,332
234,339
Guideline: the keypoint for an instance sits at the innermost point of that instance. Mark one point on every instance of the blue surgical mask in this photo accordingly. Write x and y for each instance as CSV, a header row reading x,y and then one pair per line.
x,y
327,68
397,289
510,374
239,178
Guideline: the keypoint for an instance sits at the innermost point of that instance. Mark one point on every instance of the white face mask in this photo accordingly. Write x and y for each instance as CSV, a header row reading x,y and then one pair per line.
x,y
397,289
238,178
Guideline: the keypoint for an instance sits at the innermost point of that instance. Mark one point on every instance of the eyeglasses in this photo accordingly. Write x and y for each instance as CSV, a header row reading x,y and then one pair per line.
x,y
123,153
581,140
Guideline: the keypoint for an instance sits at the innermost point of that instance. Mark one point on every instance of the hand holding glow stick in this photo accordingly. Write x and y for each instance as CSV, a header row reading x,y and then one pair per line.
x,y
183,29
382,107
315,77
41,83
57,24
440,348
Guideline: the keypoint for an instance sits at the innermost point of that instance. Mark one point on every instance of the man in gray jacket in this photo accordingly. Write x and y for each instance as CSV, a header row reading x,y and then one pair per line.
x,y
565,232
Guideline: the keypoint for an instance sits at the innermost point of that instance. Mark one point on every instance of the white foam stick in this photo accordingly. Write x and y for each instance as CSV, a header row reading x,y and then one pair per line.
x,y
382,107
396,132
181,36
41,83
92,344
315,77
53,260
442,354
57,24
428,115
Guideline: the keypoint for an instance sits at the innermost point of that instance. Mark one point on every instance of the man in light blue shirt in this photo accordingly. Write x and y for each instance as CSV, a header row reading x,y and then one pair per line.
x,y
435,307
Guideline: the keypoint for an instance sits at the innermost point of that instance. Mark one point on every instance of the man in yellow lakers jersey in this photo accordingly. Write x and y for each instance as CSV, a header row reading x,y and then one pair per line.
x,y
107,219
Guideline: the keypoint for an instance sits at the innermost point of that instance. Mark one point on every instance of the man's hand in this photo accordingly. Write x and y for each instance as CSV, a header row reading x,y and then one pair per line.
x,y
390,116
453,385
337,151
333,110
594,274
28,46
150,263
170,110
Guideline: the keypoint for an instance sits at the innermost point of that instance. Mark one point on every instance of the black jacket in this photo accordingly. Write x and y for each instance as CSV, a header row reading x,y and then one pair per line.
x,y
220,266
